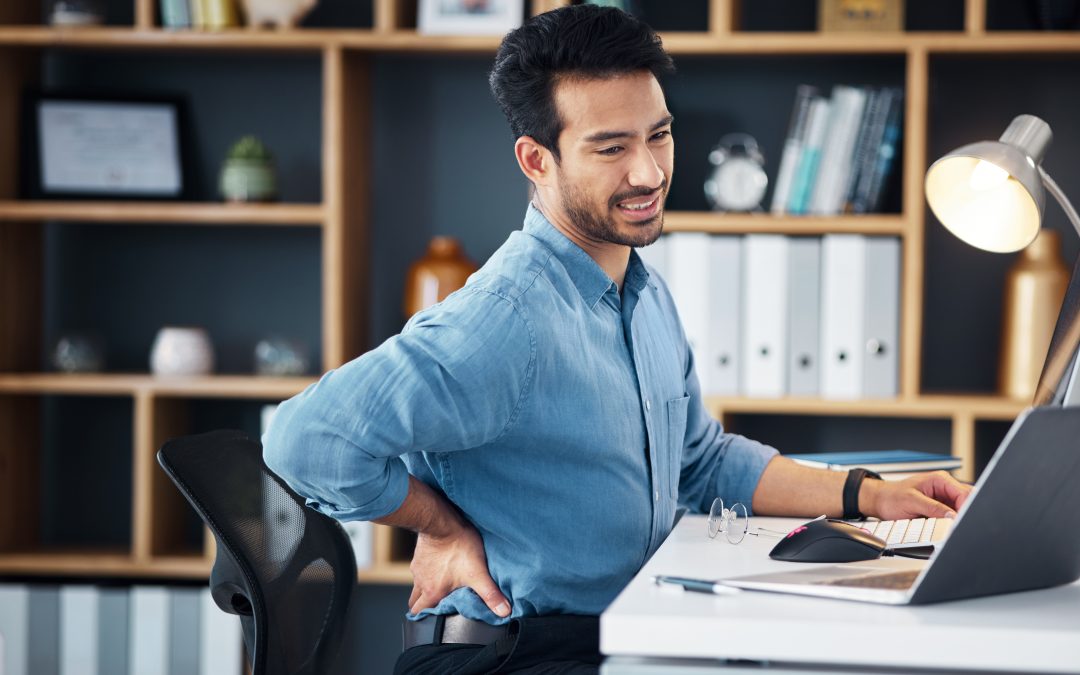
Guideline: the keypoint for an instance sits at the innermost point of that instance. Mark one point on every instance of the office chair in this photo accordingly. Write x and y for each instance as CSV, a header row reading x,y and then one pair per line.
x,y
285,569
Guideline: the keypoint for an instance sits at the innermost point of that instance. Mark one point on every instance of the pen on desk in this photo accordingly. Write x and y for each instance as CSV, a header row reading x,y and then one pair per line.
x,y
697,585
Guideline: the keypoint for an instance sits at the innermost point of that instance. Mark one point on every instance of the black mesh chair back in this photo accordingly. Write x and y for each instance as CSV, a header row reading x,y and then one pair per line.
x,y
285,569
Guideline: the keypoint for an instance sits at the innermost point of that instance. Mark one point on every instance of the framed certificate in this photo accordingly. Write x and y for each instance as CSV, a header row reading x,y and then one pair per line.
x,y
93,147
469,17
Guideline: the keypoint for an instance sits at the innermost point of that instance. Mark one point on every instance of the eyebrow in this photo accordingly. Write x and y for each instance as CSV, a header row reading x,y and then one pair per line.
x,y
601,136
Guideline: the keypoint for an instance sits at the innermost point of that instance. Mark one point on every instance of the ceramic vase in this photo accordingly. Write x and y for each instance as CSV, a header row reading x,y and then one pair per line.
x,y
248,180
182,351
1034,289
443,269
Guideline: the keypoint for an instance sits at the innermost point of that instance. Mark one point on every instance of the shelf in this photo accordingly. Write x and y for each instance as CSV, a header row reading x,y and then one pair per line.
x,y
256,40
677,43
188,213
173,567
215,386
757,223
103,564
867,43
929,406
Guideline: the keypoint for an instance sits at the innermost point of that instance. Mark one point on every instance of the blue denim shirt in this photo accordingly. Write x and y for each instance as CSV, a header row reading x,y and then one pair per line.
x,y
563,418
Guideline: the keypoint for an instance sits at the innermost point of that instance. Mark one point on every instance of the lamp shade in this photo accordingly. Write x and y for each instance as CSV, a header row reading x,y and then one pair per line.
x,y
990,194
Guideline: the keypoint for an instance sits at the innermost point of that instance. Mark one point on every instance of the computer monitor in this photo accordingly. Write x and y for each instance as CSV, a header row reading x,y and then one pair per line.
x,y
1058,383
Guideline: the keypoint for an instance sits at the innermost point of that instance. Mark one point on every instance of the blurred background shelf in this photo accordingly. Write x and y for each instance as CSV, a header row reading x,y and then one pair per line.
x,y
370,121
215,386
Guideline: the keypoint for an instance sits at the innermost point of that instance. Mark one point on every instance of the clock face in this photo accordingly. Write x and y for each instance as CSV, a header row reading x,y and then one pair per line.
x,y
740,184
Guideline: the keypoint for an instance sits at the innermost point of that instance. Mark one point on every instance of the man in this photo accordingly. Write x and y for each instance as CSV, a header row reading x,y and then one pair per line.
x,y
539,428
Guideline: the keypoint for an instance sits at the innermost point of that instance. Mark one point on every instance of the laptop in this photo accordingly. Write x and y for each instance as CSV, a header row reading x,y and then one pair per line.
x,y
1019,530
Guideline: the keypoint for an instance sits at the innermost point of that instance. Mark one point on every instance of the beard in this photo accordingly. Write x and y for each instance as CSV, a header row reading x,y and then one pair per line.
x,y
600,224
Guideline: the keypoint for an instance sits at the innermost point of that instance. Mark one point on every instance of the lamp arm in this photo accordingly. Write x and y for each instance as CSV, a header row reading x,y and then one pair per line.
x,y
1066,205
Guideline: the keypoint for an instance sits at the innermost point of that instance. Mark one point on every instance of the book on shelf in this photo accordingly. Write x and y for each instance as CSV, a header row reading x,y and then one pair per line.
x,y
869,187
802,184
793,148
834,170
199,14
839,151
881,461
175,14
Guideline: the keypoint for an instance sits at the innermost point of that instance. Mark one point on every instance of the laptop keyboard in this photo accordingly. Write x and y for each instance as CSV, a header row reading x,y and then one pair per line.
x,y
890,581
914,532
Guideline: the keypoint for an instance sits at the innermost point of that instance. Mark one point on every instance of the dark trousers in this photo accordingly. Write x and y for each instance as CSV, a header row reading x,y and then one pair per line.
x,y
547,645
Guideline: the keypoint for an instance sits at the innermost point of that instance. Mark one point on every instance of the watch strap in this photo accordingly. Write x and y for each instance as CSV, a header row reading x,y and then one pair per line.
x,y
852,486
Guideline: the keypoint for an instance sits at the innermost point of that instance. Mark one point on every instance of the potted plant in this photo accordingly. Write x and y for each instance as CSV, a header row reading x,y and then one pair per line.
x,y
248,174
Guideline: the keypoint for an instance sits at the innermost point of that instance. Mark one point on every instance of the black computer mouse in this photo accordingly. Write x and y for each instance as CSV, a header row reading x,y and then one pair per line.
x,y
828,540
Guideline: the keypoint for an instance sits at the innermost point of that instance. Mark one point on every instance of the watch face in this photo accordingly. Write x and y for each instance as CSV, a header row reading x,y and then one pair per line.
x,y
740,184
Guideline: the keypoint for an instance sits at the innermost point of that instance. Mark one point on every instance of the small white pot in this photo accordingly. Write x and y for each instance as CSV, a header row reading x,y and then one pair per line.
x,y
182,351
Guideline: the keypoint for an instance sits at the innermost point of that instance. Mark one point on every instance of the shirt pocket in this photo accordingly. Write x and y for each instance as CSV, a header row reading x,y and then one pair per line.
x,y
674,437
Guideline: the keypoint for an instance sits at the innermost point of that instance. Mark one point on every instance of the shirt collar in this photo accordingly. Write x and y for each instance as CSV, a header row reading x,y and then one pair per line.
x,y
589,278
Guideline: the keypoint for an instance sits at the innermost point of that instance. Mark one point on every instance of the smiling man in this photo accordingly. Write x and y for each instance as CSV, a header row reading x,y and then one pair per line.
x,y
539,428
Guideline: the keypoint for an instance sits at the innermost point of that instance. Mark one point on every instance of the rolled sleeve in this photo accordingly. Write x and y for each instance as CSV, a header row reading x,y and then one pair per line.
x,y
453,380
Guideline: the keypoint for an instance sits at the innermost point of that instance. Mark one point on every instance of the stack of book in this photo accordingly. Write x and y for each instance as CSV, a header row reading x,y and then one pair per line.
x,y
891,464
839,151
199,14
769,315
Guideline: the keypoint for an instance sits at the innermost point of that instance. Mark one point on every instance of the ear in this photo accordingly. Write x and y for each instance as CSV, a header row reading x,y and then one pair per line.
x,y
535,160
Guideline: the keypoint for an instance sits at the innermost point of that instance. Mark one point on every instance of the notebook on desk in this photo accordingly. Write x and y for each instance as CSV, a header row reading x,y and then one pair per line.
x,y
1019,530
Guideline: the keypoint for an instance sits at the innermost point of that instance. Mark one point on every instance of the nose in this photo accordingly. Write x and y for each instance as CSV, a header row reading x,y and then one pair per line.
x,y
644,170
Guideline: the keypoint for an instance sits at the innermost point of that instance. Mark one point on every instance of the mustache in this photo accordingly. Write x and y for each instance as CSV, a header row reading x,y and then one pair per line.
x,y
638,192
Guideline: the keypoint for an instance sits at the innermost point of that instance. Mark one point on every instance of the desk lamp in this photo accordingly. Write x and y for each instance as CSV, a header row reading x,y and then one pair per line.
x,y
990,195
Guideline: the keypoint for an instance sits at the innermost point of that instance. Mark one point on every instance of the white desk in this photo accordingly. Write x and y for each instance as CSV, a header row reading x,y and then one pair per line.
x,y
661,629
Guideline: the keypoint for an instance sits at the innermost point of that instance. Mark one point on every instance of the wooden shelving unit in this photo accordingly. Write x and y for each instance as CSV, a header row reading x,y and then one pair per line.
x,y
160,405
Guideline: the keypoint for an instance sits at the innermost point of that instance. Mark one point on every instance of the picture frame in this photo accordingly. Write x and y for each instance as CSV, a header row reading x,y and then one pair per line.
x,y
469,17
840,16
93,146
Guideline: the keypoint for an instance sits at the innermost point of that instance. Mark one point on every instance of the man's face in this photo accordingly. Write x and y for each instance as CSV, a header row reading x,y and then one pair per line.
x,y
617,155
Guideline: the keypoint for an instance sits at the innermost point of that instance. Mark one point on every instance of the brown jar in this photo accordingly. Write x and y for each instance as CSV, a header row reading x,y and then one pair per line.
x,y
1034,289
442,270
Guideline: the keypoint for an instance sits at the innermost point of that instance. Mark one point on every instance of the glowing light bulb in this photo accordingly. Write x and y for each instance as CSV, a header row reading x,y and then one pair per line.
x,y
987,176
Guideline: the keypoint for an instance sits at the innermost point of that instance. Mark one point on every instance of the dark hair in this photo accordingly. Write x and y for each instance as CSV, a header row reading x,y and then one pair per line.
x,y
586,41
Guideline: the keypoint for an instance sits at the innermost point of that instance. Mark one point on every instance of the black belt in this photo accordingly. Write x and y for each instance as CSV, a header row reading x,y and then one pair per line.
x,y
450,629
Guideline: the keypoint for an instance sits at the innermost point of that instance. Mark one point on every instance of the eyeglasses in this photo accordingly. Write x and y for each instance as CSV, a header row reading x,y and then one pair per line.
x,y
734,522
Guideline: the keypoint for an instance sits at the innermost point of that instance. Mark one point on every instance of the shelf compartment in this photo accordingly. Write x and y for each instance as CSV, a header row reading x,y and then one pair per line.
x,y
751,223
211,386
813,434
57,492
187,213
20,515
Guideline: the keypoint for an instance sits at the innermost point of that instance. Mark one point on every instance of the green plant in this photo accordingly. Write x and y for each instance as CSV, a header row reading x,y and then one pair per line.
x,y
249,148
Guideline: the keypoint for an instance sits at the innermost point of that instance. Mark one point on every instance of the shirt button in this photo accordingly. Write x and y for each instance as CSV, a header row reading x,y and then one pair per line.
x,y
656,496
648,404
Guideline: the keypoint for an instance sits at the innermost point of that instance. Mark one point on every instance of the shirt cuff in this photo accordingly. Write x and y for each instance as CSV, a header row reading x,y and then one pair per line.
x,y
388,501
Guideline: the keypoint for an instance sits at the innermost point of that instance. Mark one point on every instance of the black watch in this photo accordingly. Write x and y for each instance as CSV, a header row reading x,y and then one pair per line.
x,y
851,492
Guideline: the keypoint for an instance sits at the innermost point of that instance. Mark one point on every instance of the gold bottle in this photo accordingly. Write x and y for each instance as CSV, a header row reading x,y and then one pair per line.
x,y
1034,289
442,270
